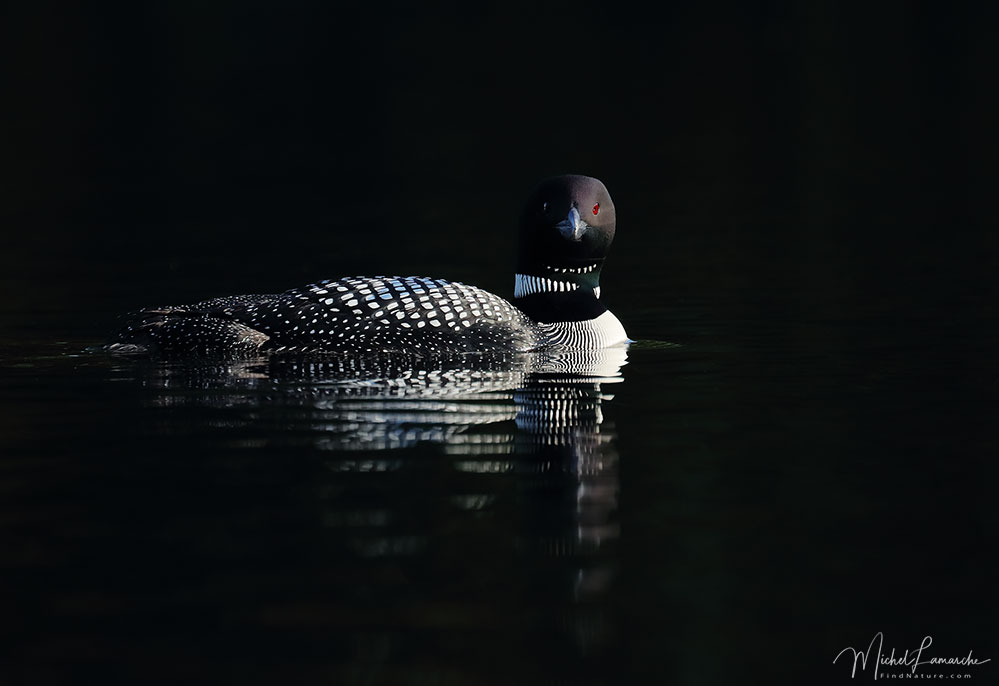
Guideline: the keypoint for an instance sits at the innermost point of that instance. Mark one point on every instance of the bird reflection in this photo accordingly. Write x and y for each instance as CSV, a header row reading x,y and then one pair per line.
x,y
524,437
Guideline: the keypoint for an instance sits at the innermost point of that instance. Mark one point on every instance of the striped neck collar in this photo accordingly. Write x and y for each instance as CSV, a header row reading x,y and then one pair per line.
x,y
529,284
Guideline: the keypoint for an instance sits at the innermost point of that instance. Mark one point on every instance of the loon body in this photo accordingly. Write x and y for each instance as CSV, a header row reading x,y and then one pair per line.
x,y
565,231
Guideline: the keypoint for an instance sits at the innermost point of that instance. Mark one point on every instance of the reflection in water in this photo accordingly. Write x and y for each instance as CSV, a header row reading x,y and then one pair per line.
x,y
529,463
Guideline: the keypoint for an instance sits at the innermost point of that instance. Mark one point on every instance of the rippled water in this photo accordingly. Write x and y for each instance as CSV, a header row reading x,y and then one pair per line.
x,y
742,499
363,519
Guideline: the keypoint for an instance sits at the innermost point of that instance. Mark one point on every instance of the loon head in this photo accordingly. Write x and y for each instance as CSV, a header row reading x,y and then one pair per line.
x,y
566,229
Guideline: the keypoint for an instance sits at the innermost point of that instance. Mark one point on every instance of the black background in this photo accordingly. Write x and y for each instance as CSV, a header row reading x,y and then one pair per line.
x,y
268,142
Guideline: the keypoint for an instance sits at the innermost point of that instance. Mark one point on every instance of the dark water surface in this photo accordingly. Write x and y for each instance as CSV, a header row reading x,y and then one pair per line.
x,y
755,489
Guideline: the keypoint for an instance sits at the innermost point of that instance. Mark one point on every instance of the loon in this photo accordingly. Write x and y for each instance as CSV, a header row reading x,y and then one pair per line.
x,y
565,231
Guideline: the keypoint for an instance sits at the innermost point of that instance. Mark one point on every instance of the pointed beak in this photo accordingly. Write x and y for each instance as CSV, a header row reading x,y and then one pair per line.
x,y
572,227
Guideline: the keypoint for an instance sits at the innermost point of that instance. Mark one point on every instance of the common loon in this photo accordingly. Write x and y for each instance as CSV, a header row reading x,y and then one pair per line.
x,y
565,231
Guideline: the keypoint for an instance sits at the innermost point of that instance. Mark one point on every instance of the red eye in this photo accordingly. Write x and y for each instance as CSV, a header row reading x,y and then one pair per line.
x,y
596,208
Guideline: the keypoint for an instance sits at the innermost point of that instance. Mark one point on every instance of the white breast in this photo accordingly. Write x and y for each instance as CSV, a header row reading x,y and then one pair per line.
x,y
601,332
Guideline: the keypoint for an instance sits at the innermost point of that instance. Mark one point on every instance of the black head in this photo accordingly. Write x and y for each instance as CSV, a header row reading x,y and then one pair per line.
x,y
565,232
567,223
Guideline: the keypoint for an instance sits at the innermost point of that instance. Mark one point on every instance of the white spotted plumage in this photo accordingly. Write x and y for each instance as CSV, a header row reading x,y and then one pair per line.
x,y
369,315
